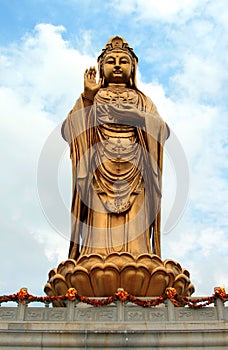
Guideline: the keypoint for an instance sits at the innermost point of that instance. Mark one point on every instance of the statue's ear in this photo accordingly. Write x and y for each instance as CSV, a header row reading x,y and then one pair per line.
x,y
132,77
131,81
103,81
101,72
133,74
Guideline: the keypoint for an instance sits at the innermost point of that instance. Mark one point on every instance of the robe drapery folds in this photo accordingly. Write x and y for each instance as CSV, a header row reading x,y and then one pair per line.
x,y
116,172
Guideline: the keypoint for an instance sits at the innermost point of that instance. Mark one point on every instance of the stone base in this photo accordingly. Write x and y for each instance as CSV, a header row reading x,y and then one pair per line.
x,y
117,326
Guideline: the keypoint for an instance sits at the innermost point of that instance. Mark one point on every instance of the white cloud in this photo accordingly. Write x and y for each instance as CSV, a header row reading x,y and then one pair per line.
x,y
45,70
199,239
40,79
218,11
158,10
202,78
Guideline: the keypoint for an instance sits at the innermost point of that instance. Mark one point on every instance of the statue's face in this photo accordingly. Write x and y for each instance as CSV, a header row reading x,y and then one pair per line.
x,y
117,67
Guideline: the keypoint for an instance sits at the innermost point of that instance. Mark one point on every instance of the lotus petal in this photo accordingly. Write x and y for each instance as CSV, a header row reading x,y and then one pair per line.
x,y
180,283
120,259
66,266
50,291
134,278
171,275
88,261
186,272
159,281
80,280
150,261
59,284
105,279
52,273
173,265
189,290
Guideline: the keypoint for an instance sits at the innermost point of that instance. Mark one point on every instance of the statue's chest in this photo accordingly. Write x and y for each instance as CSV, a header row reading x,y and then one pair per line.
x,y
117,95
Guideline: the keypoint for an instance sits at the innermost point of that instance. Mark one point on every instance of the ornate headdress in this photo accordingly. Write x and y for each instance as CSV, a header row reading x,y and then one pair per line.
x,y
118,44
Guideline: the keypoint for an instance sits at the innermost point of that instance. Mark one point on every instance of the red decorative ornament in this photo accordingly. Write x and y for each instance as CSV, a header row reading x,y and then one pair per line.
x,y
22,295
220,292
121,294
72,294
171,293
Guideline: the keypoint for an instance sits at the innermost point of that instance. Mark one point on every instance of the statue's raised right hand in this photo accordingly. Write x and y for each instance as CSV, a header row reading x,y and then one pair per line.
x,y
90,85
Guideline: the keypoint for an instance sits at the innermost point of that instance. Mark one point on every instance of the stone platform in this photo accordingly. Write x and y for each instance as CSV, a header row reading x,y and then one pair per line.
x,y
116,326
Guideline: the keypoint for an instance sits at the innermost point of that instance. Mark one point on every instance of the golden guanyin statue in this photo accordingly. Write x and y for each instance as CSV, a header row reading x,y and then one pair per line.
x,y
116,140
120,202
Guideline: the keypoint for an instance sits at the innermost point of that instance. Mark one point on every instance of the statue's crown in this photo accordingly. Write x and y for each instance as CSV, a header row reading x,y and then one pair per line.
x,y
117,43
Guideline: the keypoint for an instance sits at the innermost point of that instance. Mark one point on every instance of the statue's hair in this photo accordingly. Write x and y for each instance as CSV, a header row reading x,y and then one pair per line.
x,y
120,44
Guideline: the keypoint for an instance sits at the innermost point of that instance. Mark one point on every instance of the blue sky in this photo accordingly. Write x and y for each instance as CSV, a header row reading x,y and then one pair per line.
x,y
45,47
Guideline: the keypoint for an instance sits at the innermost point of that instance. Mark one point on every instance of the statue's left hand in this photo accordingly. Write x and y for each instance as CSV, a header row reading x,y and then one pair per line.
x,y
126,113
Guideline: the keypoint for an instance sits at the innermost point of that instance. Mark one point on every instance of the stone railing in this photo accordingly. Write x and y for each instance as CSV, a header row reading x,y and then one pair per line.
x,y
117,325
115,312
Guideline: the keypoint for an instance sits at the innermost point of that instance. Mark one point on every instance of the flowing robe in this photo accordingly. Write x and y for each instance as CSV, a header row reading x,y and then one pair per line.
x,y
116,171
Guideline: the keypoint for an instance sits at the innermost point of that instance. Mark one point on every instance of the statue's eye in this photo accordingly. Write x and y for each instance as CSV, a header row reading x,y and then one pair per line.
x,y
124,61
110,61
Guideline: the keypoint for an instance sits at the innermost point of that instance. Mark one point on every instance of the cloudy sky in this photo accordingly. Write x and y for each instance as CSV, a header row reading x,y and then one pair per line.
x,y
45,46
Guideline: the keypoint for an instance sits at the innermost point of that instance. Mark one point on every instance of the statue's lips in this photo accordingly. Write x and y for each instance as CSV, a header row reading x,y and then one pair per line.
x,y
117,72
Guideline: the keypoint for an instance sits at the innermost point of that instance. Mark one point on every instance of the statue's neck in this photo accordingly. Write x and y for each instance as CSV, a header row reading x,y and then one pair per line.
x,y
117,85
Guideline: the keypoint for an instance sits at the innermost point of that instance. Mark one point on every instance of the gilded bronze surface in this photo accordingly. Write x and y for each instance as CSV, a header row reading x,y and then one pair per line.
x,y
97,275
116,140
